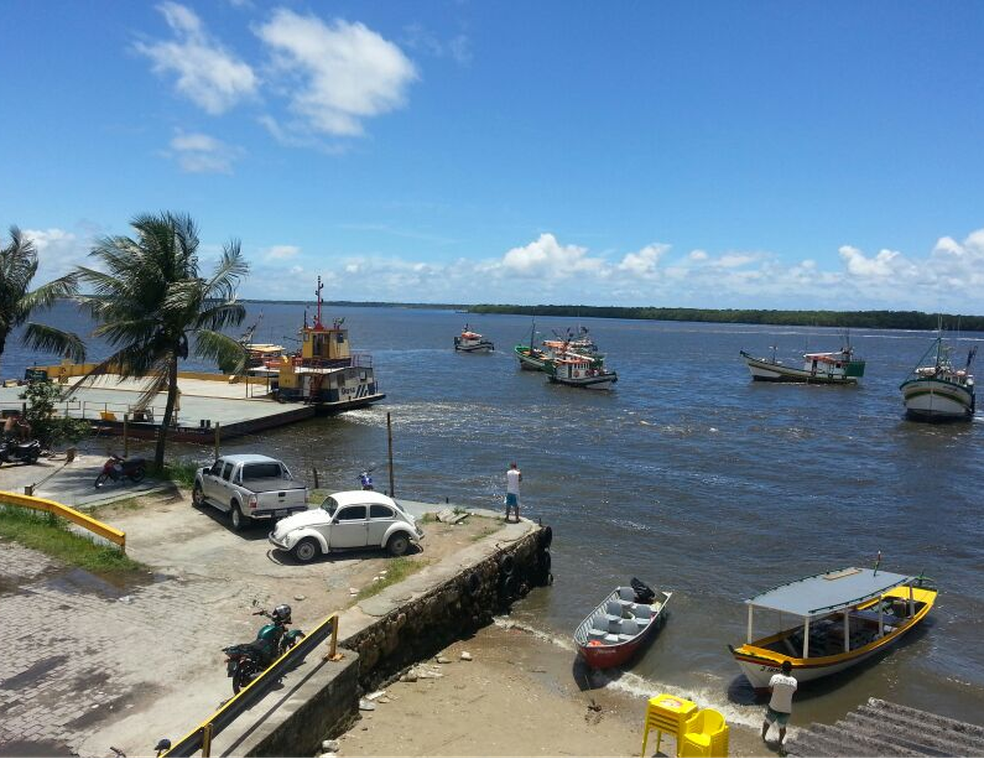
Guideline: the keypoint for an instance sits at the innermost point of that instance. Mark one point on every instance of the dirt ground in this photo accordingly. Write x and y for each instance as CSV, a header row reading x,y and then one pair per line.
x,y
518,696
121,662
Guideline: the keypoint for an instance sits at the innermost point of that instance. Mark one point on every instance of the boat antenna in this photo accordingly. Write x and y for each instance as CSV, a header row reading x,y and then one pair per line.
x,y
877,563
317,292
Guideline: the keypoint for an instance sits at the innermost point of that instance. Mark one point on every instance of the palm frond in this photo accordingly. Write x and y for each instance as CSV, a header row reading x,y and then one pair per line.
x,y
233,267
41,337
44,296
221,315
227,353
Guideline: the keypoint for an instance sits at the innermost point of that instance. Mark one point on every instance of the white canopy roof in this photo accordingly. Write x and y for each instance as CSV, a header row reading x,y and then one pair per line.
x,y
828,592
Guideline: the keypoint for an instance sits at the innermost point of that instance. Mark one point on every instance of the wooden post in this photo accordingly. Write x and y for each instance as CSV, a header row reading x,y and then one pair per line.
x,y
389,443
126,439
314,471
218,439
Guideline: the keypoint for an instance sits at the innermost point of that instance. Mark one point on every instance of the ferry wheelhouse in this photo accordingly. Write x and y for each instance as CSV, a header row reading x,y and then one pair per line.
x,y
831,621
831,368
939,392
324,372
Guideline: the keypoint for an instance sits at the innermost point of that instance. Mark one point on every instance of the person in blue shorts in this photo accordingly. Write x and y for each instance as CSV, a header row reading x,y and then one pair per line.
x,y
513,478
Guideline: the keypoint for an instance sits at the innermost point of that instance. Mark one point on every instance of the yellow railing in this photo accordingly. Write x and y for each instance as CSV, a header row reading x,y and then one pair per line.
x,y
200,739
53,507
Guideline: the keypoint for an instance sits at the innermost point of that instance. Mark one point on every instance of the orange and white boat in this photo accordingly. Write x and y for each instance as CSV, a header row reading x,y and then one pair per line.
x,y
830,622
472,342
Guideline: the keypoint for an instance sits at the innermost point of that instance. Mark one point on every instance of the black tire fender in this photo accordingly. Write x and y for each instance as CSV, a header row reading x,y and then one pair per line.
x,y
507,587
545,560
507,564
473,584
546,536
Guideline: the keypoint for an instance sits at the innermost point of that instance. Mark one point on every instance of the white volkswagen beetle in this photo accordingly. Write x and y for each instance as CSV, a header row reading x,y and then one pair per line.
x,y
351,519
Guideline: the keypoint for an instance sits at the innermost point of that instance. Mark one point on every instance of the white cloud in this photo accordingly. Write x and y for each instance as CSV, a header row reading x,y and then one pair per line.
x,y
59,251
281,252
336,75
698,255
419,38
208,74
199,153
644,262
546,258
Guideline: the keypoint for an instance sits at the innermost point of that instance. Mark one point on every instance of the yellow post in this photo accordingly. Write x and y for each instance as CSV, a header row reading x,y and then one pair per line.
x,y
207,739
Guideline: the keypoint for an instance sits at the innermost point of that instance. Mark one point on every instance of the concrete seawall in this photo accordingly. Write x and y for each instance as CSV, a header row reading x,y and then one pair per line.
x,y
383,635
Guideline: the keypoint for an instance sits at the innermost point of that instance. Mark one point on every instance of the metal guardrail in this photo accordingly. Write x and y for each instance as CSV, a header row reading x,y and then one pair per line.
x,y
200,739
53,507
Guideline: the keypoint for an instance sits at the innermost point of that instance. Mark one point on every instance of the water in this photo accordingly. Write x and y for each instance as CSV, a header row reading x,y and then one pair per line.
x,y
688,475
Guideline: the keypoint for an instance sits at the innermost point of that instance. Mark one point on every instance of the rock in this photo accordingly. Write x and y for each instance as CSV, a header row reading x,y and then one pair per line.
x,y
126,599
353,591
377,694
299,598
376,578
408,677
465,656
330,745
384,700
442,660
366,706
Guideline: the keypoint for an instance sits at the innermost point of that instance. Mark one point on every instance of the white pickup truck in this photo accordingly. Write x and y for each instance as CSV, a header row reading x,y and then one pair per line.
x,y
248,487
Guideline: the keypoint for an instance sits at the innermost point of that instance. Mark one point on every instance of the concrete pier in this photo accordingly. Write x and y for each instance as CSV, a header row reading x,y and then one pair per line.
x,y
882,728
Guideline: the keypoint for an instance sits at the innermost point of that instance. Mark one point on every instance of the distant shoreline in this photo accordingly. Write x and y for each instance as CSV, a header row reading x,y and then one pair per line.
x,y
918,320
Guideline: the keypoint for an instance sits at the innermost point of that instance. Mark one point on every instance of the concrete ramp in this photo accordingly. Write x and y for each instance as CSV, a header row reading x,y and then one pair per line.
x,y
881,728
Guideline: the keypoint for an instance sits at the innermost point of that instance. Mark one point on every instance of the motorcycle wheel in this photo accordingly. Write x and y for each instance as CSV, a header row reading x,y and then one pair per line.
x,y
243,675
33,458
101,480
137,474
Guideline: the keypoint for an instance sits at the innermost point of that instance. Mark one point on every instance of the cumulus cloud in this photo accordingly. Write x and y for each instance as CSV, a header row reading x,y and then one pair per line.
x,y
420,39
282,252
199,153
336,75
545,257
207,73
59,251
643,263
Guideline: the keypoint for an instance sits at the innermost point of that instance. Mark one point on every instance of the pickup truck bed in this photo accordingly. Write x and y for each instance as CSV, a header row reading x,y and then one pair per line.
x,y
266,485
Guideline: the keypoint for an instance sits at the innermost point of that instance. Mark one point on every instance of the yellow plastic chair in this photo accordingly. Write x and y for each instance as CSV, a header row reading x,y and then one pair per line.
x,y
705,734
667,713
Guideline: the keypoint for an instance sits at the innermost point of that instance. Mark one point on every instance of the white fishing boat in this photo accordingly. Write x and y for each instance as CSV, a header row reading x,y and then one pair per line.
x,y
575,370
938,391
832,368
831,621
472,342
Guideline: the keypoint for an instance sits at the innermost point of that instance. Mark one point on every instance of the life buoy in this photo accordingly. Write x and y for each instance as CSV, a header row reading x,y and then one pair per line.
x,y
545,560
593,643
577,373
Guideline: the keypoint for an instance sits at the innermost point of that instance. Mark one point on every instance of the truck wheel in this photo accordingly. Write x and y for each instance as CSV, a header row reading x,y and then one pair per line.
x,y
197,496
239,521
398,544
306,550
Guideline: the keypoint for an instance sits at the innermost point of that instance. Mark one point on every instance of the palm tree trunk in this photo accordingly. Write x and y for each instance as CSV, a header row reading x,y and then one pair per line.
x,y
172,394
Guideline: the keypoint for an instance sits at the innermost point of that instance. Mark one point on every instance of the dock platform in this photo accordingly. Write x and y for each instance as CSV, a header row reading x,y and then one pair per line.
x,y
882,728
239,408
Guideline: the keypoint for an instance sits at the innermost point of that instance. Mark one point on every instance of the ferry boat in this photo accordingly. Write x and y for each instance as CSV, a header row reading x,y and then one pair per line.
x,y
580,371
324,372
832,368
835,620
472,342
621,625
939,392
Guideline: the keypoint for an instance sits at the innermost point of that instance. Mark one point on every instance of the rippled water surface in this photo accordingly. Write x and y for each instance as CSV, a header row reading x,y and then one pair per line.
x,y
687,475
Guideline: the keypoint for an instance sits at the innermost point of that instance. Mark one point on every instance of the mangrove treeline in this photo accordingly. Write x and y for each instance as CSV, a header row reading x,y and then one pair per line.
x,y
844,319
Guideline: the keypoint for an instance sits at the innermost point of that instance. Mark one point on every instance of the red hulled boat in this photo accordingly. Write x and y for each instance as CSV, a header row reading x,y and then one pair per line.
x,y
621,625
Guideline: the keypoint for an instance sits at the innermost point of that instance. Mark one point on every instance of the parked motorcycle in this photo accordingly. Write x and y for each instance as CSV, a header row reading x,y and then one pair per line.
x,y
11,450
117,468
245,661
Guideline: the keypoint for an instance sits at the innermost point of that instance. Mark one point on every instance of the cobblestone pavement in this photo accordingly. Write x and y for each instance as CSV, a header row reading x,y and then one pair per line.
x,y
85,651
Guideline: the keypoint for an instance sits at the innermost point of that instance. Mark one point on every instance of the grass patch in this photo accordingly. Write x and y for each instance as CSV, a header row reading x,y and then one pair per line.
x,y
397,570
50,535
428,518
181,473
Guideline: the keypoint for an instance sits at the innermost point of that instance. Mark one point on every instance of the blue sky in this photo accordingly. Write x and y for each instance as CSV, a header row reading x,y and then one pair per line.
x,y
713,154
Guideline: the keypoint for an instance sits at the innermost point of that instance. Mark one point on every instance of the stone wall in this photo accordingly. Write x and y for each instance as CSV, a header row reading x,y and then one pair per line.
x,y
418,629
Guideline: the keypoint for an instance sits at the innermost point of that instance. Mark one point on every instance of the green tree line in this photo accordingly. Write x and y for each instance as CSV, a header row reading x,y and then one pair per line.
x,y
844,319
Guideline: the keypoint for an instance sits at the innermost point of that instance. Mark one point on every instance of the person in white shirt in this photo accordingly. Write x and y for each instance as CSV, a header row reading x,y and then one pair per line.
x,y
513,478
783,686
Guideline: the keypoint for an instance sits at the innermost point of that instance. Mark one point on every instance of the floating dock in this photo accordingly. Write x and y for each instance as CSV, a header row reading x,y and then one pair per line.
x,y
240,407
881,728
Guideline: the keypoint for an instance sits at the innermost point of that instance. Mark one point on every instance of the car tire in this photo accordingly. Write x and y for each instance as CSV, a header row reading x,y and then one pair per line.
x,y
239,521
306,550
198,496
398,544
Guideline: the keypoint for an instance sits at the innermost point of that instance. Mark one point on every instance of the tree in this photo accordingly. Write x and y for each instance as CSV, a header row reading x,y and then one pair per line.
x,y
154,308
18,265
51,430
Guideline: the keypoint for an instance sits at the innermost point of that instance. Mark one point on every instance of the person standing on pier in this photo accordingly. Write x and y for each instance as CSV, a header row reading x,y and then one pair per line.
x,y
783,686
513,478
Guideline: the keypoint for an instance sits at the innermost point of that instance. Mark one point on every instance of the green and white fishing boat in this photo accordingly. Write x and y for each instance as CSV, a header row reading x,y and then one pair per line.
x,y
936,391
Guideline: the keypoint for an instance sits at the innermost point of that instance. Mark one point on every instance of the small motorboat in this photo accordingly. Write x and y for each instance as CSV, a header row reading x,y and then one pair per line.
x,y
624,623
472,342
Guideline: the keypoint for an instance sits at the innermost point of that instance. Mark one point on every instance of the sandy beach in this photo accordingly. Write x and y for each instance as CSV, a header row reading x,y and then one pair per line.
x,y
519,695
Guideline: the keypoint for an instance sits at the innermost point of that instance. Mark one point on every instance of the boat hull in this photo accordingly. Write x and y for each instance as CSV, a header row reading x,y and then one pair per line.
x,y
767,371
483,347
599,654
603,382
530,363
937,400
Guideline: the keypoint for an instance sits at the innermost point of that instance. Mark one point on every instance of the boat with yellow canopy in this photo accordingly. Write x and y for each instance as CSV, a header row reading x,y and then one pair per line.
x,y
831,621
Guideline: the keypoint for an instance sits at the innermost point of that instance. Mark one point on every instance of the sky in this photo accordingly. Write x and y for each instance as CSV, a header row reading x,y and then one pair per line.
x,y
710,154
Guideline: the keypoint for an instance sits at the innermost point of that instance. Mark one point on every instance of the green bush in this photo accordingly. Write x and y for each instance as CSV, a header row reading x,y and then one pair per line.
x,y
51,430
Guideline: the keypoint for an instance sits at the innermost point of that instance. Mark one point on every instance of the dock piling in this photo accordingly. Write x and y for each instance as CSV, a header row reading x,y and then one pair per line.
x,y
389,443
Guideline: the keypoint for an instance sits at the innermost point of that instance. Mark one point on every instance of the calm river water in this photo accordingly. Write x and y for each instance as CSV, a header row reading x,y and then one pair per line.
x,y
687,475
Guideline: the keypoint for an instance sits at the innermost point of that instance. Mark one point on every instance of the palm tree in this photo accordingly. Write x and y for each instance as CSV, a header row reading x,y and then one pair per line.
x,y
152,305
18,265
